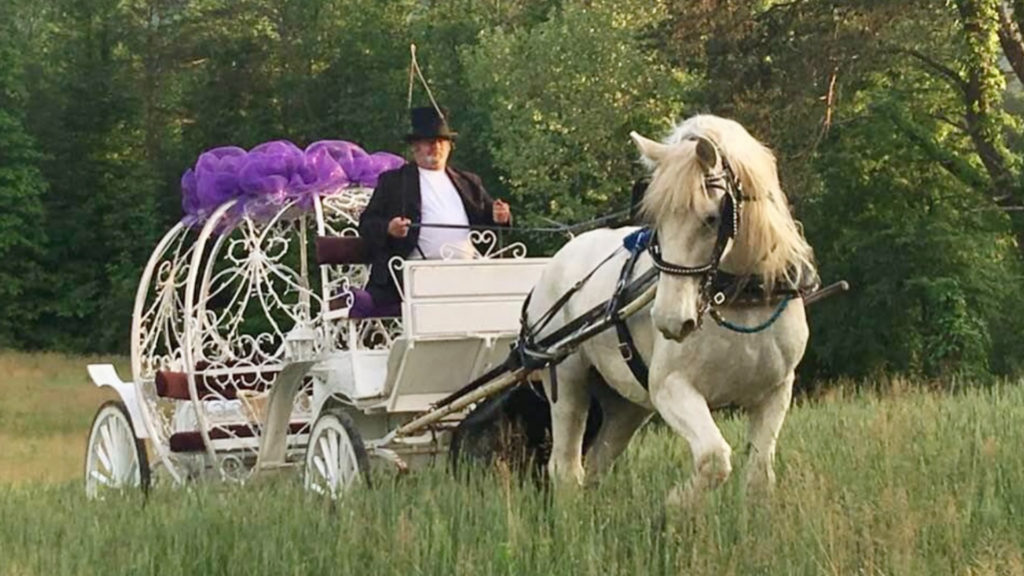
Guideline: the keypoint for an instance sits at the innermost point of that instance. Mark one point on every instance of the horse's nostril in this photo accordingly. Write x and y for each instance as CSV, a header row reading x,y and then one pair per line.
x,y
689,326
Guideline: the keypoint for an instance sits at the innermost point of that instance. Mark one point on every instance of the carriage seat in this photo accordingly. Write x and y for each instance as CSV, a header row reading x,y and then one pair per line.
x,y
459,319
341,250
463,298
222,384
349,251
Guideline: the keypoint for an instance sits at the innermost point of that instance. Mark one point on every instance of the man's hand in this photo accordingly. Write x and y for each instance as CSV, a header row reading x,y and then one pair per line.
x,y
398,227
502,214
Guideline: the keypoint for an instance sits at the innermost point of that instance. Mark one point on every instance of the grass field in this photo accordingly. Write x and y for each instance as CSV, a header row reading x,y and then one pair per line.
x,y
46,405
906,483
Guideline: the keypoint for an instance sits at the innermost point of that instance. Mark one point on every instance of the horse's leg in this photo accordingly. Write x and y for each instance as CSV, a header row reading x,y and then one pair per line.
x,y
765,422
568,421
686,411
620,420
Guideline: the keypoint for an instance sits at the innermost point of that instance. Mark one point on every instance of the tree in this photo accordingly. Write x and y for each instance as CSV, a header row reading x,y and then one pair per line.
x,y
1011,24
22,187
562,97
100,206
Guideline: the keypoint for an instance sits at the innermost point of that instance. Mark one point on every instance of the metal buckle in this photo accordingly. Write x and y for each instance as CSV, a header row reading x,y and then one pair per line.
x,y
718,299
626,351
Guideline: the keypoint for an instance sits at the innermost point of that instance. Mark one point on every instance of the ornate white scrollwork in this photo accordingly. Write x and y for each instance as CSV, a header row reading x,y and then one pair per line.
x,y
516,250
341,213
252,315
455,252
396,265
158,329
485,239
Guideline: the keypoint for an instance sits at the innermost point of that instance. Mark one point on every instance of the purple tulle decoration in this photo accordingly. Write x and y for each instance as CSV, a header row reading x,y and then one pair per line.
x,y
268,169
189,196
216,176
369,168
326,160
276,171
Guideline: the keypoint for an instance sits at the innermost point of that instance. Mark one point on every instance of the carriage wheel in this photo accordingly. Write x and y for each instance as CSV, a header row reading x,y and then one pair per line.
x,y
336,459
115,458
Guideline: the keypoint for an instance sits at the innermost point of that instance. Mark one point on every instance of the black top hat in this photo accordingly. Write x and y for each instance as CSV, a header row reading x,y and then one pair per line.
x,y
427,124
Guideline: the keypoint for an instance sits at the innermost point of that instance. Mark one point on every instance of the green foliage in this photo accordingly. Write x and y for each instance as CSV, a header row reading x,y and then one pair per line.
x,y
99,209
562,97
933,273
898,140
23,238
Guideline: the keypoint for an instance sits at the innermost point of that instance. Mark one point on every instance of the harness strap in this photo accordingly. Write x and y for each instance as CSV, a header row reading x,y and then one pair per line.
x,y
629,352
717,316
549,314
636,243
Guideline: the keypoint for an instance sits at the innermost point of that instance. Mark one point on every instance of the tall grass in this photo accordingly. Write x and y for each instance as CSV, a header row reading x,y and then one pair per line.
x,y
46,405
911,483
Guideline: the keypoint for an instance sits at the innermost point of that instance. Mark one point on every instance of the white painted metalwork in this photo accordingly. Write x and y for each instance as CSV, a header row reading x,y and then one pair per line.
x,y
157,340
248,315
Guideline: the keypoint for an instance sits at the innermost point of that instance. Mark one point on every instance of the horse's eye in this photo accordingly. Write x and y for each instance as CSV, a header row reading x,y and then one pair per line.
x,y
711,221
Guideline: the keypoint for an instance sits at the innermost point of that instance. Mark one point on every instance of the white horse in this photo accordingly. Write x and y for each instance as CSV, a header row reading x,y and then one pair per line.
x,y
694,366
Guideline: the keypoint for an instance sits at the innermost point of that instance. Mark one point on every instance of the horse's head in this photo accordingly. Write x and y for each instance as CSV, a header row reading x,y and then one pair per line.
x,y
692,203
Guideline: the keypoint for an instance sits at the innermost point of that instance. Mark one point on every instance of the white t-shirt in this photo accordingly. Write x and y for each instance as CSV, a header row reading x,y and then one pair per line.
x,y
441,204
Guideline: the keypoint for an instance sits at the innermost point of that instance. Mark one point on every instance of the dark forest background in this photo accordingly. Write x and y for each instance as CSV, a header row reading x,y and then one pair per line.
x,y
898,127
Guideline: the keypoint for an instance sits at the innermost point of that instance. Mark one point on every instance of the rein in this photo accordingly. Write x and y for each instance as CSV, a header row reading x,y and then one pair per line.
x,y
568,229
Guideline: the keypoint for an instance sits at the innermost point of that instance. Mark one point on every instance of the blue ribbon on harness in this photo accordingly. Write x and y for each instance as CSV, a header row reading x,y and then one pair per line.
x,y
752,329
638,240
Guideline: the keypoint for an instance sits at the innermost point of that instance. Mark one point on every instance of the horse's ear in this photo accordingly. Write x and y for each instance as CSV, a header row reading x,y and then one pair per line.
x,y
653,151
707,153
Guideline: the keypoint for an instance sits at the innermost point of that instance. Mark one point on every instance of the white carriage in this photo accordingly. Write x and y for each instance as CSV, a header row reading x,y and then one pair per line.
x,y
244,359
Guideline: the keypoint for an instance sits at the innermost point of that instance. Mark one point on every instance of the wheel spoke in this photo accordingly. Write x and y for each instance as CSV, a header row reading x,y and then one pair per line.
x,y
117,451
332,439
353,464
101,455
108,444
321,467
129,457
325,450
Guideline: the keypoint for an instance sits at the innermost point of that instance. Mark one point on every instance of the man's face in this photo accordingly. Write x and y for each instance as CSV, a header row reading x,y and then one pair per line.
x,y
432,154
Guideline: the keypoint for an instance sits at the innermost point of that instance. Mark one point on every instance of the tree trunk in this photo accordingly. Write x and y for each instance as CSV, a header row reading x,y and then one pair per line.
x,y
981,96
1011,41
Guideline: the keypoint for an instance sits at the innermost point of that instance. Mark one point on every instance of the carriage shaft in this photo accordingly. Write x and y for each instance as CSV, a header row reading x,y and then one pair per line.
x,y
495,386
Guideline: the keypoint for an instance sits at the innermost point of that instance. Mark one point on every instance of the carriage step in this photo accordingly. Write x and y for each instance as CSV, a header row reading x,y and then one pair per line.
x,y
193,441
174,385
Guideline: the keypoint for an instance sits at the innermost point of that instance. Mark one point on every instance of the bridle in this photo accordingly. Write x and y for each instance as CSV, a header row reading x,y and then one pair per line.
x,y
728,227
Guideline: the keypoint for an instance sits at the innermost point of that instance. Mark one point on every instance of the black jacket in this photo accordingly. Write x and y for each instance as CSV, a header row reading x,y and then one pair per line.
x,y
398,194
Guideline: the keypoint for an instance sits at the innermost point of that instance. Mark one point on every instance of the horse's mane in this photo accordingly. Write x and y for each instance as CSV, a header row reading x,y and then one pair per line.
x,y
770,243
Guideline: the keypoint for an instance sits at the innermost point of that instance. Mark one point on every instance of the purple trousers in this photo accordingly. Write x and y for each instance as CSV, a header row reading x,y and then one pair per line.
x,y
364,307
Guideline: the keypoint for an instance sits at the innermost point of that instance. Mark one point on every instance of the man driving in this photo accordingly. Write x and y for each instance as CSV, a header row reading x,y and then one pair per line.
x,y
424,191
